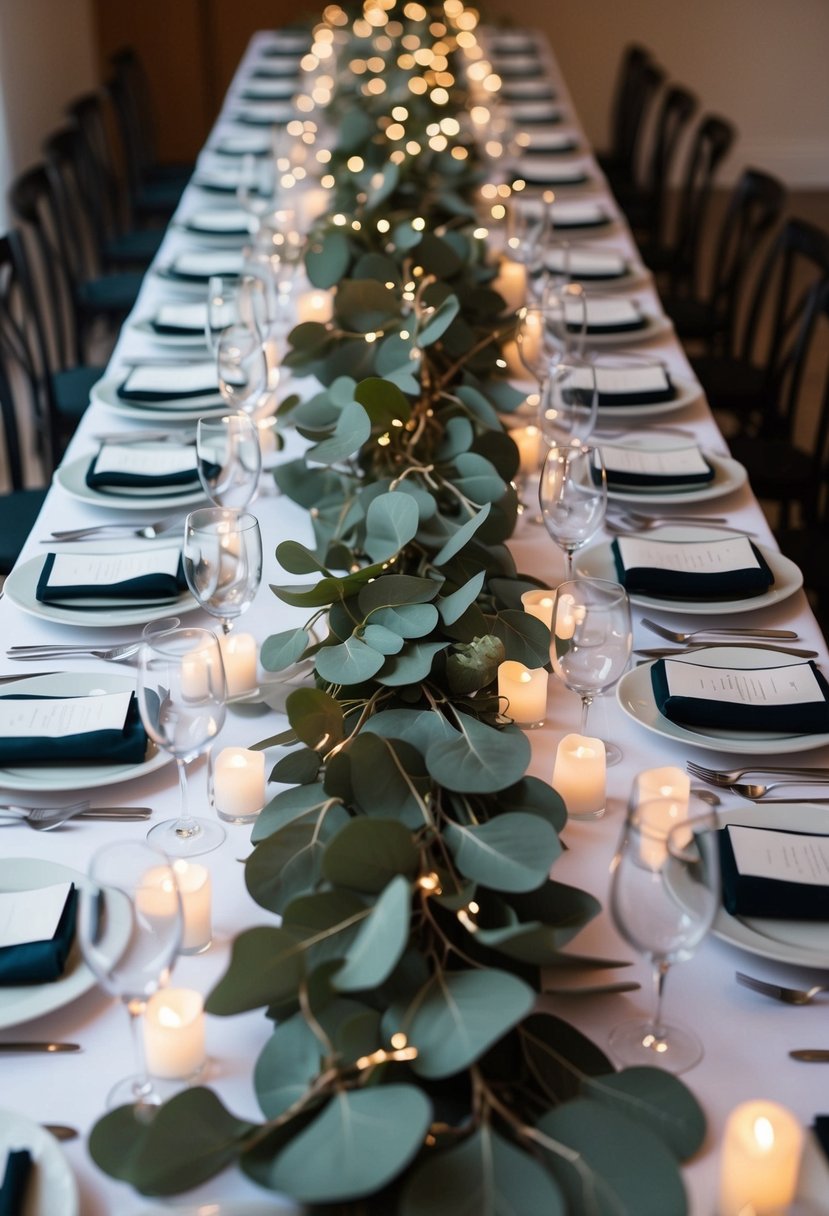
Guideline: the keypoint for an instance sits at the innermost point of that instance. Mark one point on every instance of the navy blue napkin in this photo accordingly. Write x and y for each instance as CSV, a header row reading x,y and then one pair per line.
x,y
511,94
124,745
15,1182
685,585
621,327
640,397
41,962
655,481
157,586
186,479
821,1130
800,718
749,895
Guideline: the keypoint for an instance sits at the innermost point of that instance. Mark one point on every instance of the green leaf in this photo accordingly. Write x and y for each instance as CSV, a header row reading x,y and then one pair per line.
x,y
474,665
288,863
296,559
376,266
361,1141
265,968
349,662
559,1056
439,321
512,852
364,305
419,727
326,923
316,718
394,590
478,405
556,904
383,402
380,942
391,522
354,129
389,779
479,480
537,797
351,432
287,806
367,853
287,1064
409,620
453,606
621,1166
381,639
327,259
484,1174
189,1139
412,665
480,759
300,768
281,650
656,1098
310,595
526,639
461,537
390,176
458,437
457,1015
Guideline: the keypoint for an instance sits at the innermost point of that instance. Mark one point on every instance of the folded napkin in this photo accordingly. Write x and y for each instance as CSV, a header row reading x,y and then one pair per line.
x,y
580,213
702,570
269,90
548,143
15,1182
605,316
276,71
551,172
675,469
793,699
645,385
518,67
225,221
198,264
165,381
188,319
586,263
527,90
144,468
33,959
134,576
769,872
529,112
265,113
102,729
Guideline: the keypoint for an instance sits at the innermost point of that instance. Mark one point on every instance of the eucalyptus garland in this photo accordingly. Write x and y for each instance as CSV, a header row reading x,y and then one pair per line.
x,y
415,1066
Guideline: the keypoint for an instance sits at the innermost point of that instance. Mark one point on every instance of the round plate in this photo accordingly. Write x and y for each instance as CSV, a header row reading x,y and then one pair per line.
x,y
183,340
182,409
21,588
802,943
635,695
71,477
597,562
687,392
51,1190
729,475
22,1004
656,326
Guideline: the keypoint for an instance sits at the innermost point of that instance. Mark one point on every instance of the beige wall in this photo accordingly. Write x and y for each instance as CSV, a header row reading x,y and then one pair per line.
x,y
763,64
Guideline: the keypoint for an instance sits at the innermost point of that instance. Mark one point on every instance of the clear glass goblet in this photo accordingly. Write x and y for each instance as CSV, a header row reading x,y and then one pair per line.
x,y
229,459
591,641
131,881
572,492
234,300
242,366
664,895
222,558
569,403
181,698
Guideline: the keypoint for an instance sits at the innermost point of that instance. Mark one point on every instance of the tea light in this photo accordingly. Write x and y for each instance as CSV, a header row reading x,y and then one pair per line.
x,y
530,339
195,891
239,657
579,776
663,793
525,691
238,784
314,203
540,605
760,1160
511,283
195,674
174,1033
668,782
314,306
157,899
569,615
528,441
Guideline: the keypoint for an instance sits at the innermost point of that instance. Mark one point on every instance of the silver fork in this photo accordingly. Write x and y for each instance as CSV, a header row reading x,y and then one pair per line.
x,y
757,792
790,996
725,778
112,654
42,818
675,635
647,520
146,531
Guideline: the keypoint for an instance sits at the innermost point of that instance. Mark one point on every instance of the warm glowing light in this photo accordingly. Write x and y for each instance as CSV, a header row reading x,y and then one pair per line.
x,y
355,163
400,113
439,96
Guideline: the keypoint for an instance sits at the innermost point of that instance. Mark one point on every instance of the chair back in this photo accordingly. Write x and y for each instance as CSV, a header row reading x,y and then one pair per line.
x,y
675,112
713,139
647,82
82,238
23,371
633,61
104,197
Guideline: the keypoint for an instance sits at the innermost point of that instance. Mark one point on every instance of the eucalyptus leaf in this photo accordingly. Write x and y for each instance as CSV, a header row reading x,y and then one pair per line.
x,y
282,650
327,259
656,1098
453,606
326,923
299,768
287,806
474,665
349,662
365,305
391,522
393,590
412,664
419,728
380,942
389,779
537,797
383,402
439,321
408,620
381,639
458,437
288,863
461,536
287,1064
480,759
567,908
366,854
296,559
526,639
513,852
351,432
265,968
559,1056
478,406
316,718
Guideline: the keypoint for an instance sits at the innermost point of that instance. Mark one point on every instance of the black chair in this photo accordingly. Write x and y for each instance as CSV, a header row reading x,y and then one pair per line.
x,y
120,242
640,81
644,203
677,260
755,205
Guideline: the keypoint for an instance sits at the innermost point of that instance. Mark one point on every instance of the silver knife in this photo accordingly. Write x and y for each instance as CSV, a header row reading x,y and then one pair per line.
x,y
33,1045
666,652
811,1055
61,1131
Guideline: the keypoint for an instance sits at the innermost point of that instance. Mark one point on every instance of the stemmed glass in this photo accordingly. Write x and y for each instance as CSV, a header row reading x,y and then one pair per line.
x,y
242,366
222,558
664,895
229,459
233,300
572,492
131,879
569,403
181,698
591,642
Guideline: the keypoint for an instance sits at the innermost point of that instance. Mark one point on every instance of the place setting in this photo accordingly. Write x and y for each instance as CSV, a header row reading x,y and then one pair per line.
x,y
153,389
605,267
612,320
190,269
649,468
136,474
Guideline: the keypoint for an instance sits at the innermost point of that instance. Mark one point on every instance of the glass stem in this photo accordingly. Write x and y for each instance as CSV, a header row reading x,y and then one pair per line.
x,y
185,824
586,702
142,1087
568,553
659,973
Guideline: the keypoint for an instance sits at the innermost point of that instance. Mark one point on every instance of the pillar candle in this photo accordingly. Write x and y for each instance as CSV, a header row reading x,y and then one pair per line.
x,y
195,891
540,605
760,1160
238,784
662,794
314,306
528,441
525,691
579,776
174,1033
195,675
239,657
157,899
530,338
511,283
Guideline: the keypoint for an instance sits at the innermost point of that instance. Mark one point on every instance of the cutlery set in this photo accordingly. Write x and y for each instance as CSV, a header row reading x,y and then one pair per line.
x,y
42,818
149,531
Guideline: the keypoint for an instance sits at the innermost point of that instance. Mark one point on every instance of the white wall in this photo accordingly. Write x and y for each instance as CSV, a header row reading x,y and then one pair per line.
x,y
46,58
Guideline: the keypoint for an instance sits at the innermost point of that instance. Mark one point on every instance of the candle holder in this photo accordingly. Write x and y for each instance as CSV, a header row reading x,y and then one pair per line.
x,y
525,692
236,784
174,1035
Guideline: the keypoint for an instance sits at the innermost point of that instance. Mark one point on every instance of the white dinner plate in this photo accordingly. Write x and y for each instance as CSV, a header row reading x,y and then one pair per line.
x,y
729,475
656,326
71,477
687,392
799,942
183,340
51,1189
181,409
635,695
636,275
22,1004
597,562
21,588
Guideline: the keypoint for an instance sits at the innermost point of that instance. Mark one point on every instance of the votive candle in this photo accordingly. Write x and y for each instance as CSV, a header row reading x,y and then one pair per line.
x,y
511,283
174,1033
239,655
528,441
238,784
580,775
540,605
760,1160
196,892
314,306
525,691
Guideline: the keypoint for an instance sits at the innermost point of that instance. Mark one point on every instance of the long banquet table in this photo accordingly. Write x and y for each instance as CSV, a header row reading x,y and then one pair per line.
x,y
746,1036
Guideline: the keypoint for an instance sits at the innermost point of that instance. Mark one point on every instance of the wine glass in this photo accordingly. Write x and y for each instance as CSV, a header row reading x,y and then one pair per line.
x,y
565,312
569,403
591,640
254,192
664,895
181,698
233,300
572,492
242,367
229,459
130,880
222,558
